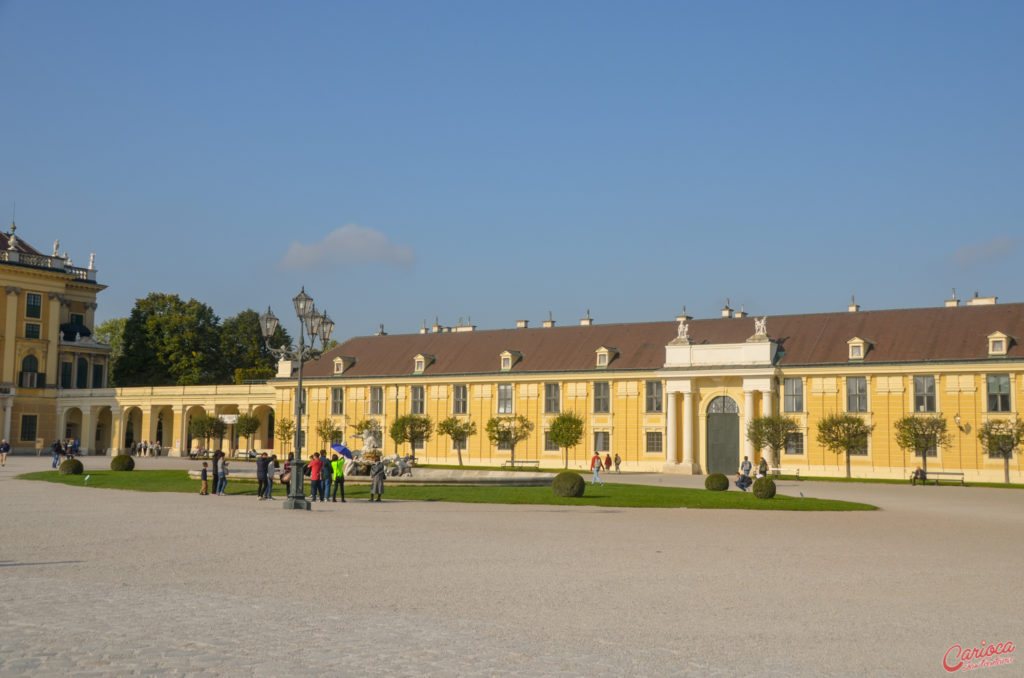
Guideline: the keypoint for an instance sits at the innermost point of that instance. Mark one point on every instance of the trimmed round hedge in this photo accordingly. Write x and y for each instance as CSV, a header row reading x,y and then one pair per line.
x,y
70,467
716,482
764,488
122,462
568,484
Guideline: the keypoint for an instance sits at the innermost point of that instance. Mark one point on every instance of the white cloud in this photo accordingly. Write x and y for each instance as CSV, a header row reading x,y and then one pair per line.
x,y
984,252
350,244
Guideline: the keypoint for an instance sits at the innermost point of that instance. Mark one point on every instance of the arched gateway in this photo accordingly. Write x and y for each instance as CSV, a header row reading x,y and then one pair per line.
x,y
723,435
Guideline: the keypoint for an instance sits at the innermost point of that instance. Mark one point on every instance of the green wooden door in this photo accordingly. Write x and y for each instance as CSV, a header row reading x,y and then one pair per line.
x,y
723,436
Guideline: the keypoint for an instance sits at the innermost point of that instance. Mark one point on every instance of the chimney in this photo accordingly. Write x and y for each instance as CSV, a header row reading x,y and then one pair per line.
x,y
853,307
468,327
726,311
951,303
550,322
522,324
981,301
684,318
588,321
740,313
380,331
436,327
423,330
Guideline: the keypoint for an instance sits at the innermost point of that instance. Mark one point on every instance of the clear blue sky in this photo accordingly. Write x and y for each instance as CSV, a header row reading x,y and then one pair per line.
x,y
500,160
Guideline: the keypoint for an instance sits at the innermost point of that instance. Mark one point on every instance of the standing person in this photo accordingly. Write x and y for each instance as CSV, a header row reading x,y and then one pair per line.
x,y
595,466
618,460
607,462
216,470
204,489
377,472
271,470
5,448
261,476
223,482
326,476
316,473
746,466
338,466
56,453
762,468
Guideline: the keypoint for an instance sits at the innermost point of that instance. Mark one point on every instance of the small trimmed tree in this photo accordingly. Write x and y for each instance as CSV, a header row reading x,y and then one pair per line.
x,y
412,429
771,432
207,427
458,430
285,432
918,434
566,431
509,431
1000,438
246,426
327,431
844,433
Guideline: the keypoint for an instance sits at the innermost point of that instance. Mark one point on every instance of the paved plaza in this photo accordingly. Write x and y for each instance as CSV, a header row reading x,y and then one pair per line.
x,y
114,583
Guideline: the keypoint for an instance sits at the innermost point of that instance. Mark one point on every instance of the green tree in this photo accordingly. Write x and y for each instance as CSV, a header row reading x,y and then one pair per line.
x,y
1000,437
246,426
509,431
920,433
207,427
168,342
111,332
566,431
771,432
285,432
458,430
412,429
242,348
844,433
327,431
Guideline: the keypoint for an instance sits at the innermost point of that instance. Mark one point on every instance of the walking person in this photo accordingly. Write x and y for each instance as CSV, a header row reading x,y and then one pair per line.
x,y
56,453
596,466
377,472
338,466
5,448
618,460
261,476
223,482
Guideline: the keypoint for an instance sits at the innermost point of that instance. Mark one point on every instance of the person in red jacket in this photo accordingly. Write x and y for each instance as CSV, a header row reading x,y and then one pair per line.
x,y
596,465
316,469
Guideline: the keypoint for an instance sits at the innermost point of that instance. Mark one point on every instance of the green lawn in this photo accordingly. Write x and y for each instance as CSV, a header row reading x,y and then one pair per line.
x,y
611,494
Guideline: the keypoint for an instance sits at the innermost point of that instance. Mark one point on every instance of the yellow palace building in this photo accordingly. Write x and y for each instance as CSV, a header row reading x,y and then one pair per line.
x,y
671,396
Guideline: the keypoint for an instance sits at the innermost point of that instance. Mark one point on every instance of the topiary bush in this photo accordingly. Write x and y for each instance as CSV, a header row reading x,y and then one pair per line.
x,y
568,484
70,467
764,488
122,462
716,482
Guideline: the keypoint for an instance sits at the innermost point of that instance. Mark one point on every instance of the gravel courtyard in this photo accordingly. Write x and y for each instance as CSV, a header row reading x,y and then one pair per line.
x,y
114,583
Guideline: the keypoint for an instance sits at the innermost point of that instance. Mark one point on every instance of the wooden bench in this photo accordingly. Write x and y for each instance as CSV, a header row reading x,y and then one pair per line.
x,y
936,476
788,471
512,463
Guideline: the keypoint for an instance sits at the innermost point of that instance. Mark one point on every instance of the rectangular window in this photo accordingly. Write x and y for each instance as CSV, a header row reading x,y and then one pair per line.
x,y
856,394
376,400
654,397
601,441
924,393
932,452
504,399
417,400
29,380
793,397
97,376
552,399
548,445
504,446
337,400
460,399
28,428
31,330
795,443
77,319
417,446
998,393
654,442
82,378
33,305
862,452
602,403
65,375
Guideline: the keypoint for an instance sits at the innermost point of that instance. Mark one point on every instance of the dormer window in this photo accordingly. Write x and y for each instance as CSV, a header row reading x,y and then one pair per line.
x,y
858,348
342,363
420,362
998,344
509,359
605,354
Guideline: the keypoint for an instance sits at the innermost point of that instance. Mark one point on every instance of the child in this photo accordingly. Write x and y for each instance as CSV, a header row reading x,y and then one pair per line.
x,y
205,489
223,482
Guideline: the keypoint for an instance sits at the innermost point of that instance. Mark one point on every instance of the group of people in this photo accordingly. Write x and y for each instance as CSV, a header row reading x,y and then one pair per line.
x,y
743,479
144,448
220,475
597,465
62,449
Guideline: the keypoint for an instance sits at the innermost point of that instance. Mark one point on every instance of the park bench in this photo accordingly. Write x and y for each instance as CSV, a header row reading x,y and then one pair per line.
x,y
510,463
936,476
787,471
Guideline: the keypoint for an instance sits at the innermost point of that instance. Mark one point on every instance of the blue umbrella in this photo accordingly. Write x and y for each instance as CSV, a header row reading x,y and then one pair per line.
x,y
342,450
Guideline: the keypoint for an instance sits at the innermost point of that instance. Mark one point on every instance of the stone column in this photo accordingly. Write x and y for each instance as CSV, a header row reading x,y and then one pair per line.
x,y
8,404
179,436
672,432
87,439
688,432
10,332
52,337
766,411
748,416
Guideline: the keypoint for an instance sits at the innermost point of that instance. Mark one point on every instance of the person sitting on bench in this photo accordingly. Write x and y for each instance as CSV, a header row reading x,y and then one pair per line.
x,y
918,475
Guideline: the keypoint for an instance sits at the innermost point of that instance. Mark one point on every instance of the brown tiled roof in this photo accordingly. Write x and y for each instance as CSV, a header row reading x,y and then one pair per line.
x,y
895,336
21,246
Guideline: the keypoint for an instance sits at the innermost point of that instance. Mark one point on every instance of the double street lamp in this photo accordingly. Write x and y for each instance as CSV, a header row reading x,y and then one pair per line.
x,y
316,325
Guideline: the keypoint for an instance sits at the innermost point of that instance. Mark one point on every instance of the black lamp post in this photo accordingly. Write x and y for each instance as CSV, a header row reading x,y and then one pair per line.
x,y
316,325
